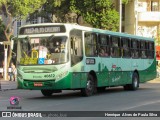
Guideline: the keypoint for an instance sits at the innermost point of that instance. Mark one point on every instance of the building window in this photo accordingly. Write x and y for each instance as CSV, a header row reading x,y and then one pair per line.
x,y
123,12
154,6
18,23
44,20
34,19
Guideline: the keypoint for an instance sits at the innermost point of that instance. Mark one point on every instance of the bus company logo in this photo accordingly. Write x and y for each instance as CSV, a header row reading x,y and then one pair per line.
x,y
14,103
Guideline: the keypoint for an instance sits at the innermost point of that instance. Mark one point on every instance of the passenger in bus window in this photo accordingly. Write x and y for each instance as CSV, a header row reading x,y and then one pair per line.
x,y
112,52
103,52
132,54
143,54
136,54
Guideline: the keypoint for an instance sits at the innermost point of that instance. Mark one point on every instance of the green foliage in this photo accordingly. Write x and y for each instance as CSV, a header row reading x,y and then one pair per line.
x,y
17,9
124,1
51,8
20,8
98,13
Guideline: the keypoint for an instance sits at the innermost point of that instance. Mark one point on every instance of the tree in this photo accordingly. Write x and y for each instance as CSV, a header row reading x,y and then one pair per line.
x,y
124,1
2,38
53,11
98,13
2,28
17,9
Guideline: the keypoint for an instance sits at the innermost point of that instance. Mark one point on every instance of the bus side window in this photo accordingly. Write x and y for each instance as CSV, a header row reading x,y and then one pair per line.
x,y
125,43
143,49
104,48
91,44
151,50
134,48
115,47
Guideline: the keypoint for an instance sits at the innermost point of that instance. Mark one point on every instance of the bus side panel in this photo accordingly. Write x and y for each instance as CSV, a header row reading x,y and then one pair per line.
x,y
102,75
64,83
78,80
149,73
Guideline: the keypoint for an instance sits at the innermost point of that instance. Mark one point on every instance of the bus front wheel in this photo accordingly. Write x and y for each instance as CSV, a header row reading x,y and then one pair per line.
x,y
90,88
47,92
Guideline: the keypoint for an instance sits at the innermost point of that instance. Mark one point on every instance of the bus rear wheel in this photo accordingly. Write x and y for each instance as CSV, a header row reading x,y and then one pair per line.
x,y
47,92
90,88
135,83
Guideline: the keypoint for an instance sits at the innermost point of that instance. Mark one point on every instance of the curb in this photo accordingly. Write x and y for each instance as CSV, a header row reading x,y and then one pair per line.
x,y
3,90
157,80
6,85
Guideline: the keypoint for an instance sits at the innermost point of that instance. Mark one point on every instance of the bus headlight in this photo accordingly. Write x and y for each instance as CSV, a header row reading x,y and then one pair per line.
x,y
61,75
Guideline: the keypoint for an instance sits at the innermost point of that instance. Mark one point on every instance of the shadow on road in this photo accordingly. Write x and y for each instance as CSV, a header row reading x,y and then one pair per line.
x,y
70,94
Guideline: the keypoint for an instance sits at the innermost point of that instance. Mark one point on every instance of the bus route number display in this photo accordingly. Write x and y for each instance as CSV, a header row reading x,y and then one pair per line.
x,y
42,30
90,61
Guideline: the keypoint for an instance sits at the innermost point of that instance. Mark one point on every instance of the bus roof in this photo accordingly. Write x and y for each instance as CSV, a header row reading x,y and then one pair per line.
x,y
84,28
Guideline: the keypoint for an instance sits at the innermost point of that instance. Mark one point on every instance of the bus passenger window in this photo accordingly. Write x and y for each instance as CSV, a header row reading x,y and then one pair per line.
x,y
143,53
103,52
90,44
115,49
125,43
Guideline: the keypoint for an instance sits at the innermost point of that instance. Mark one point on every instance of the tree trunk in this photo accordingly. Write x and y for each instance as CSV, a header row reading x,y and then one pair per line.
x,y
8,32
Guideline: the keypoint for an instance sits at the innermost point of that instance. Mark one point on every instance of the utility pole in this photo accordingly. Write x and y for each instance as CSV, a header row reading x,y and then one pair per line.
x,y
136,15
120,14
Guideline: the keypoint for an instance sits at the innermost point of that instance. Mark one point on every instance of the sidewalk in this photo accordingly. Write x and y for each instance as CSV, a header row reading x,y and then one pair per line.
x,y
157,80
7,85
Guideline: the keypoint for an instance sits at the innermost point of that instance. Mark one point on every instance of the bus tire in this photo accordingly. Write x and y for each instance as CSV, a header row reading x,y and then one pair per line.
x,y
135,83
47,92
90,86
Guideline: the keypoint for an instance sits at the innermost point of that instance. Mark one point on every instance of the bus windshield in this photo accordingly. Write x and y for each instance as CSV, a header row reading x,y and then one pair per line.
x,y
42,50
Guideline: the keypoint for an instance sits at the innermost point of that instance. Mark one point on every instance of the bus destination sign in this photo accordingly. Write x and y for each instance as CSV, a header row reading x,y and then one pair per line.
x,y
42,30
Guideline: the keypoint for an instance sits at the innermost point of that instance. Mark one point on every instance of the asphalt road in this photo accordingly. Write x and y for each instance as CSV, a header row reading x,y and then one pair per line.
x,y
147,98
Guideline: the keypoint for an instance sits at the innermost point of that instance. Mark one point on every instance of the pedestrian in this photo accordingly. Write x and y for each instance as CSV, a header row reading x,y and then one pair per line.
x,y
13,71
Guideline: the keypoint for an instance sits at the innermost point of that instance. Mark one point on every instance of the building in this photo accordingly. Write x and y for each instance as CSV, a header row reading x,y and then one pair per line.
x,y
139,17
142,17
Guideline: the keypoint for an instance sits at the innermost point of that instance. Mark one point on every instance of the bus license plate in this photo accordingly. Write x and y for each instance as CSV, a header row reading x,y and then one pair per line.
x,y
38,84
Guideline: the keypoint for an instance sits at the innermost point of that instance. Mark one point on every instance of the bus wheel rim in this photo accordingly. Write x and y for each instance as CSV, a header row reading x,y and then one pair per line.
x,y
135,82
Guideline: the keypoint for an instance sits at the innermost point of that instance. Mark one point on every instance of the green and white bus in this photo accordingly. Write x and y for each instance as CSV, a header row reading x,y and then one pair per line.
x,y
52,57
